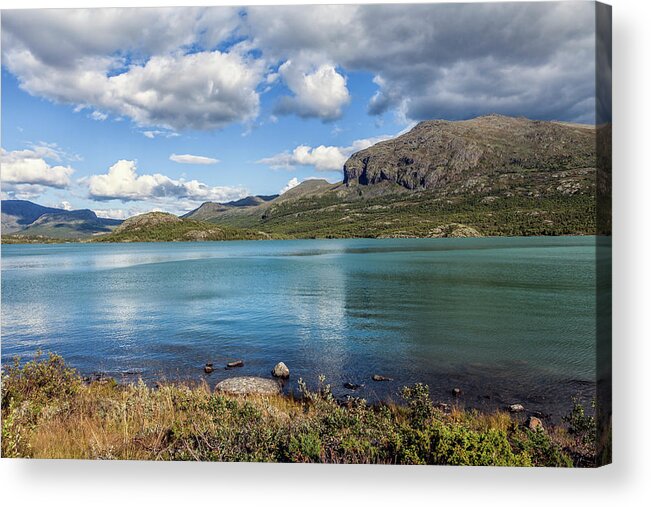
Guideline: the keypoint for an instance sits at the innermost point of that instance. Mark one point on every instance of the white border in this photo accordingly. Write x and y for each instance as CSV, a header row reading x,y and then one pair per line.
x,y
626,482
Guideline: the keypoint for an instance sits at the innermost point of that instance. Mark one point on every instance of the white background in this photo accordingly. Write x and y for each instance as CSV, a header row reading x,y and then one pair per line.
x,y
626,482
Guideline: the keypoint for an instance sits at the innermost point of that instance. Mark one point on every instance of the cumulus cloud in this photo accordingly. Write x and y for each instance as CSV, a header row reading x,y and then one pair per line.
x,y
192,159
322,158
123,183
290,184
448,60
319,94
103,58
427,60
29,167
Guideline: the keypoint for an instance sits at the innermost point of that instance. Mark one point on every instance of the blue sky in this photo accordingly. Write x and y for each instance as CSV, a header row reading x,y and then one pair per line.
x,y
251,101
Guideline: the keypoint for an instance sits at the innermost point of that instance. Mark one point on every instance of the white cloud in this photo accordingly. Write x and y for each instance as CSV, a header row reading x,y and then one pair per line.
x,y
290,184
134,63
119,214
29,167
98,116
319,94
123,183
533,59
65,205
322,158
151,134
192,159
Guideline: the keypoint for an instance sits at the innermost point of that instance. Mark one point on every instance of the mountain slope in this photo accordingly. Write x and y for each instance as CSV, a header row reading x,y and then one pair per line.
x,y
27,219
496,174
209,210
17,214
158,226
438,155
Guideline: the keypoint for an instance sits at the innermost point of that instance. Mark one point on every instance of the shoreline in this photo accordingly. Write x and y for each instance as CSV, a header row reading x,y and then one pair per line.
x,y
55,241
46,404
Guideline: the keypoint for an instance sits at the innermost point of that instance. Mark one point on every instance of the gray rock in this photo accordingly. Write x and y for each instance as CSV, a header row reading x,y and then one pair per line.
x,y
353,387
437,154
456,391
248,385
235,364
208,368
280,370
381,378
516,407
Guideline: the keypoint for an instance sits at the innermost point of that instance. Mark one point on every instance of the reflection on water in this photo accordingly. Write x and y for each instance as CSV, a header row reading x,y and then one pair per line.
x,y
506,319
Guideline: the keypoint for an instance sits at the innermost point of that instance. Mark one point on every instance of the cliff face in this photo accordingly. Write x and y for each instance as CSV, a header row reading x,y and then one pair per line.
x,y
435,154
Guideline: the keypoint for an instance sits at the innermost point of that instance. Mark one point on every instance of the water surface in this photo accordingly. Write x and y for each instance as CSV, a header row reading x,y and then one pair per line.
x,y
504,319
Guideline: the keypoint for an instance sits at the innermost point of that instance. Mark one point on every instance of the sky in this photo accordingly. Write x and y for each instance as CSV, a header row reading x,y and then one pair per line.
x,y
125,111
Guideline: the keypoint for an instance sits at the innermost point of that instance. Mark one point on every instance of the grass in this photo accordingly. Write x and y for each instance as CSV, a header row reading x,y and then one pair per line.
x,y
48,411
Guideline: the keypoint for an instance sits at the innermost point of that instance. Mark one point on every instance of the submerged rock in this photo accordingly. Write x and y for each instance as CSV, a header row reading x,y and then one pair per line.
x,y
248,385
456,391
280,370
516,407
353,387
208,368
381,378
235,364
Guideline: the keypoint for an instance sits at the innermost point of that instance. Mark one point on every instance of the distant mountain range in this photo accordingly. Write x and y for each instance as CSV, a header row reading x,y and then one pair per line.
x,y
29,219
492,175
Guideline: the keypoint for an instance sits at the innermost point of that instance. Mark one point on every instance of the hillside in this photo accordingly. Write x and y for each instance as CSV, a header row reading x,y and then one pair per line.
x,y
27,220
494,174
210,209
17,214
489,176
158,226
474,155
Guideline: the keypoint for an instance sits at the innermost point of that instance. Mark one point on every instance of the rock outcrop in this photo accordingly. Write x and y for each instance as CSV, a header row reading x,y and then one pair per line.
x,y
435,154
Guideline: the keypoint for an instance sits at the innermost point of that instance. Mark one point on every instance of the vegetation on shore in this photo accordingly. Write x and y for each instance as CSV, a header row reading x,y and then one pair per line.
x,y
48,411
423,215
181,230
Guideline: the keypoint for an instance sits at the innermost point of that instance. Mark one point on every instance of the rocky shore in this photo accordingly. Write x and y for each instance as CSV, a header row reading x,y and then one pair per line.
x,y
50,411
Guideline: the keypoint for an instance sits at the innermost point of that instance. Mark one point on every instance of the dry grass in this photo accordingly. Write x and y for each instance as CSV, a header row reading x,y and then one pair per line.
x,y
48,412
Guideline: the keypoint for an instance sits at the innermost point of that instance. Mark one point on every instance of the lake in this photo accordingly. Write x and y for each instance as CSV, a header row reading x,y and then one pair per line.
x,y
504,319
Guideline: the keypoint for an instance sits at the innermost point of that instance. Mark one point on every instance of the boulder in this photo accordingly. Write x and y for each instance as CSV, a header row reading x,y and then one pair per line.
x,y
280,370
456,391
516,407
208,368
381,378
535,424
248,385
353,387
235,364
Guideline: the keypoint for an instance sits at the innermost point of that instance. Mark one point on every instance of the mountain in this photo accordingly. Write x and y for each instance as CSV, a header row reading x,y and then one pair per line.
x,y
27,219
494,175
445,155
17,215
159,226
210,209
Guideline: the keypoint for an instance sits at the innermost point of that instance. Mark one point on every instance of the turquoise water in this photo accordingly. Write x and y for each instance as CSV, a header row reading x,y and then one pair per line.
x,y
505,319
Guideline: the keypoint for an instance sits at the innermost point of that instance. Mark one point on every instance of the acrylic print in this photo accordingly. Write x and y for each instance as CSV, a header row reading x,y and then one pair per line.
x,y
313,234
